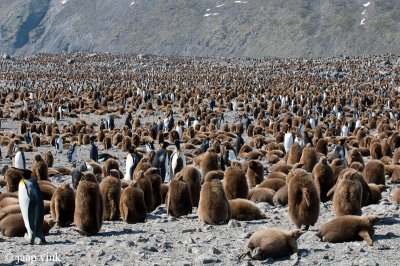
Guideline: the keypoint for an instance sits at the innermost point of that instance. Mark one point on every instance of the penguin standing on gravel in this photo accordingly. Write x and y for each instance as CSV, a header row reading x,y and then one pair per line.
x,y
94,151
72,153
239,142
32,208
28,136
178,160
59,144
132,160
161,160
19,159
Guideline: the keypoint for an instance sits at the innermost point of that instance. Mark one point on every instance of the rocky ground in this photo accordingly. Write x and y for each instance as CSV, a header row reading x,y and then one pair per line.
x,y
164,240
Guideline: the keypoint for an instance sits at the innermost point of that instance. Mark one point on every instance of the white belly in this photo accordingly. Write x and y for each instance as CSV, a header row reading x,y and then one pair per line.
x,y
24,200
288,142
174,161
128,165
232,155
19,161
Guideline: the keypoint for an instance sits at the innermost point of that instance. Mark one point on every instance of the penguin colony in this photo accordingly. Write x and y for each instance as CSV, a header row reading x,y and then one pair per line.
x,y
124,148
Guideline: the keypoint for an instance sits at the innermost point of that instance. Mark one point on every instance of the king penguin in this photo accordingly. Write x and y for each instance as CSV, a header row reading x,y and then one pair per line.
x,y
59,144
288,141
178,160
132,160
28,136
161,160
32,208
94,151
19,160
72,152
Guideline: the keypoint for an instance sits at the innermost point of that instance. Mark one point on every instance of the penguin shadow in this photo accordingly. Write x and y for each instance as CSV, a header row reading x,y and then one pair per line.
x,y
125,231
255,222
386,236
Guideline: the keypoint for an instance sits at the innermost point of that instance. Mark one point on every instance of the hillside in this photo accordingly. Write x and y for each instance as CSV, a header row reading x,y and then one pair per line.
x,y
249,28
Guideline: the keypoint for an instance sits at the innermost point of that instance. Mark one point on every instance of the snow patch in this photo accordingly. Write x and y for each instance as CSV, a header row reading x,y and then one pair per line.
x,y
211,14
132,3
208,9
241,2
220,5
367,4
363,13
362,21
64,1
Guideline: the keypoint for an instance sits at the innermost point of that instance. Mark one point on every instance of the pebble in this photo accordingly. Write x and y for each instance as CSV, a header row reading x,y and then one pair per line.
x,y
207,260
245,235
189,240
233,223
189,230
130,243
214,251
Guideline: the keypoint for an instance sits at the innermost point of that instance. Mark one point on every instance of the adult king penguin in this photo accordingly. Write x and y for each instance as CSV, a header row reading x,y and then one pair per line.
x,y
132,160
161,160
19,159
32,208
94,151
178,160
288,141
59,144
72,152
28,136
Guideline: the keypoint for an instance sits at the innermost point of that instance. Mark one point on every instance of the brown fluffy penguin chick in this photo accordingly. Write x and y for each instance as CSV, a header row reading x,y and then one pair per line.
x,y
12,177
110,188
395,176
349,228
47,188
7,201
88,215
376,151
376,191
164,192
347,199
323,178
192,176
132,205
49,159
355,156
209,162
13,225
396,195
179,201
309,158
273,183
156,180
109,165
145,184
62,205
257,195
255,173
245,210
235,183
303,199
281,196
337,167
272,243
10,209
295,153
374,172
213,205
